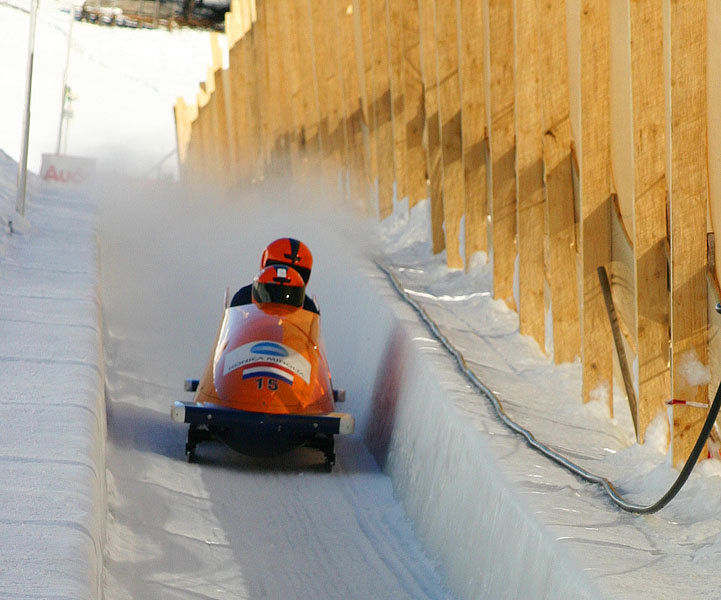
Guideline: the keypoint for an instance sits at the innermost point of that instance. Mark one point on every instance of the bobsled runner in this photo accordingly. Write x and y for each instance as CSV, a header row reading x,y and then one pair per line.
x,y
266,389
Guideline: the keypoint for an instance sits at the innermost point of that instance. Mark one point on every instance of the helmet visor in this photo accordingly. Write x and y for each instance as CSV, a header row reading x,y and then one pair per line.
x,y
278,293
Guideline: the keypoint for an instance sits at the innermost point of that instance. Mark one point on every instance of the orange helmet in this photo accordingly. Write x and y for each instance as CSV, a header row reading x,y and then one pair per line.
x,y
290,252
279,284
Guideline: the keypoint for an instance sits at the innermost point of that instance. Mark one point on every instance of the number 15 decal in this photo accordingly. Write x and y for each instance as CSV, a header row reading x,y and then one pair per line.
x,y
271,384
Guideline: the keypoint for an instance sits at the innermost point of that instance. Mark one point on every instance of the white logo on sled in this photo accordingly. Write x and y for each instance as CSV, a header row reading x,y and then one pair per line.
x,y
252,354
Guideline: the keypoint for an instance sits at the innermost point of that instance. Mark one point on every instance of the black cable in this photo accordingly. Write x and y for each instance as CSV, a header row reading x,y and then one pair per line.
x,y
577,470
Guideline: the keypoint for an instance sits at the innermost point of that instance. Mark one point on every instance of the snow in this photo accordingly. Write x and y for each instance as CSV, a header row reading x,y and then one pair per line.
x,y
52,489
432,497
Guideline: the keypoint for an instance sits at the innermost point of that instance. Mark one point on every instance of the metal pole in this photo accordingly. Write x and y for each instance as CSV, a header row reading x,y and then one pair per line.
x,y
65,80
23,163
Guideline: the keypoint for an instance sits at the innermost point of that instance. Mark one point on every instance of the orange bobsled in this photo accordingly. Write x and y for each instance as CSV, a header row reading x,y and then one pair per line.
x,y
267,387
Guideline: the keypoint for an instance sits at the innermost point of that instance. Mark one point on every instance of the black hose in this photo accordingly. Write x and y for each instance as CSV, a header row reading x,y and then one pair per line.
x,y
577,470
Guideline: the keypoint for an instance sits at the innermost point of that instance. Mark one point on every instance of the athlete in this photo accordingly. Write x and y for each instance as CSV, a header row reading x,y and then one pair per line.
x,y
284,252
278,284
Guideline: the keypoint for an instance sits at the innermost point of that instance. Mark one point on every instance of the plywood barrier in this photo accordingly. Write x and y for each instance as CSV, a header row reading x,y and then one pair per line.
x,y
529,173
561,239
502,133
449,114
686,41
357,192
595,178
382,107
394,14
432,133
414,115
540,131
651,283
363,34
473,126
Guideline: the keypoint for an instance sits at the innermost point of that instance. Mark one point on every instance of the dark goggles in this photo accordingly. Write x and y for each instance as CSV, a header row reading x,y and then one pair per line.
x,y
279,293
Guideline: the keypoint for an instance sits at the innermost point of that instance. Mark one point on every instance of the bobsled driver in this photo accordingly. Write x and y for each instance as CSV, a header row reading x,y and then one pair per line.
x,y
283,252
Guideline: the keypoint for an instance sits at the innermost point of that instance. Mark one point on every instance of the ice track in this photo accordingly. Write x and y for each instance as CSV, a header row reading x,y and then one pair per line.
x,y
229,526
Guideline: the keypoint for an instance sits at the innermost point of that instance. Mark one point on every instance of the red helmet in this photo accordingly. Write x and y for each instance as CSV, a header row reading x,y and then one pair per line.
x,y
279,284
290,252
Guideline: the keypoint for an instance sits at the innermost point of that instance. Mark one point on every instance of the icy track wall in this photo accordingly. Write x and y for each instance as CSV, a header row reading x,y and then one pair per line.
x,y
52,455
464,508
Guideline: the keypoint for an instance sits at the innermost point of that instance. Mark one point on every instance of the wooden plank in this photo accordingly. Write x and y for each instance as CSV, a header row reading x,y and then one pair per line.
x,y
688,184
714,329
595,226
308,109
473,126
449,113
260,46
222,136
560,213
183,128
649,216
622,274
529,172
713,75
216,54
254,77
363,35
416,186
432,134
274,98
501,127
239,103
214,153
352,110
291,78
382,107
394,12
328,91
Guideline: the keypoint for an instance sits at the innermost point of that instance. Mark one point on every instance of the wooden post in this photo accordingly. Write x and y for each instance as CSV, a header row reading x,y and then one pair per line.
x,y
529,172
394,12
473,125
501,126
449,110
414,107
686,36
649,221
597,344
432,134
560,217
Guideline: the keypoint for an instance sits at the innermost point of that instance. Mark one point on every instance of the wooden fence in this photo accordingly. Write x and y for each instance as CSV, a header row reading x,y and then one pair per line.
x,y
555,136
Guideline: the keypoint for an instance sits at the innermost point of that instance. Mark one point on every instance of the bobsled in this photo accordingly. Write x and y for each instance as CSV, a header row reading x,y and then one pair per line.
x,y
267,387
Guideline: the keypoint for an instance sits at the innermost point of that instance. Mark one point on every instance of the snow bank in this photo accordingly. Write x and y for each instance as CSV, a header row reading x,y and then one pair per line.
x,y
52,455
471,517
